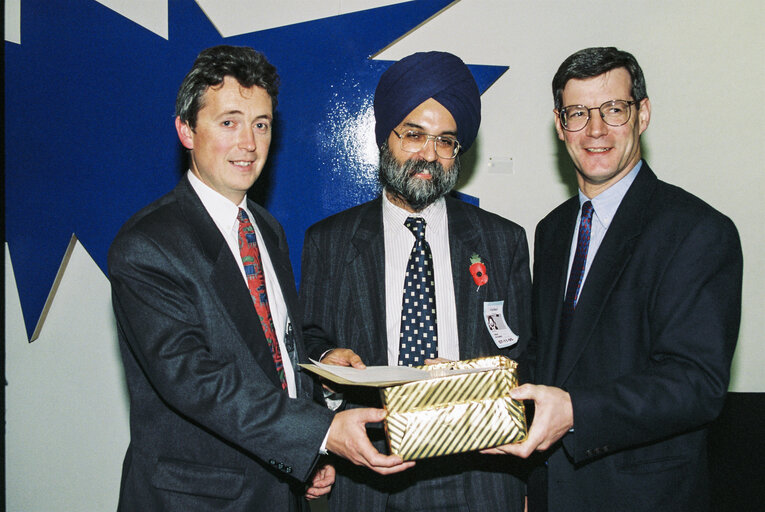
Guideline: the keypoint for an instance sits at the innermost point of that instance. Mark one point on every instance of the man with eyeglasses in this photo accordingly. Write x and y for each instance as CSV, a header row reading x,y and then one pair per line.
x,y
637,301
414,276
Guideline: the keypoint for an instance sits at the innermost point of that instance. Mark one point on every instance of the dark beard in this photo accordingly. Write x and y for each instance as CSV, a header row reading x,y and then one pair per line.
x,y
398,179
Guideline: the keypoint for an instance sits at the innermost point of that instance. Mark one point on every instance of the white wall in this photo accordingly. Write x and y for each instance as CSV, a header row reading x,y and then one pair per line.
x,y
66,403
703,60
704,63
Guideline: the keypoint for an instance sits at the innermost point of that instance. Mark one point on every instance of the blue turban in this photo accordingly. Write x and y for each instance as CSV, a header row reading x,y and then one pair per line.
x,y
412,80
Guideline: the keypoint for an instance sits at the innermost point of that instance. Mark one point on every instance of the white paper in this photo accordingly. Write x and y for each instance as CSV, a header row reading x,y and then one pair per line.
x,y
399,374
375,373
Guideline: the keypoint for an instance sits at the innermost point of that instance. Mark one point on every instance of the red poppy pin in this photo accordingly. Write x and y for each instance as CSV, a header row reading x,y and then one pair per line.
x,y
478,270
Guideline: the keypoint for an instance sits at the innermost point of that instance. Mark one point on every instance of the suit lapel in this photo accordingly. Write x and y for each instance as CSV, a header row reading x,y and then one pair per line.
x,y
610,261
226,279
550,277
464,241
366,265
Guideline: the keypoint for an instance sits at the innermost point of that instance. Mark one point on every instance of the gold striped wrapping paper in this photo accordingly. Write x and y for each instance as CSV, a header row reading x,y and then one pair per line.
x,y
455,413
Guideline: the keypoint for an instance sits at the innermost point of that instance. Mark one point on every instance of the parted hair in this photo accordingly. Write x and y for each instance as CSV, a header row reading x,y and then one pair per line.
x,y
212,65
592,62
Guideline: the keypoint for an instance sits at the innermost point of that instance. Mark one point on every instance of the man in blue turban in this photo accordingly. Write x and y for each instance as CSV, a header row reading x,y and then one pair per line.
x,y
389,282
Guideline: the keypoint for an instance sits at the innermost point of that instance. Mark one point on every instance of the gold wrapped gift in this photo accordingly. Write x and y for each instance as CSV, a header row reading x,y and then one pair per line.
x,y
455,412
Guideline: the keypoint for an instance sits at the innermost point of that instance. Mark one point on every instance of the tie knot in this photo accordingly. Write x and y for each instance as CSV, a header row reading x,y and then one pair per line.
x,y
417,226
242,217
587,209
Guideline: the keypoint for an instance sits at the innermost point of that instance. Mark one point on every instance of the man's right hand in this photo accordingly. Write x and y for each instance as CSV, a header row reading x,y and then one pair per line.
x,y
343,357
348,438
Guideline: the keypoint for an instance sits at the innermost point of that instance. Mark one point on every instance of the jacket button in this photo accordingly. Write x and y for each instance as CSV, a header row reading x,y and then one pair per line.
x,y
272,462
280,465
288,469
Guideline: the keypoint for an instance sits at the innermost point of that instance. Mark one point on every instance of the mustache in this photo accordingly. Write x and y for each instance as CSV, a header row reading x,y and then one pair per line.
x,y
413,167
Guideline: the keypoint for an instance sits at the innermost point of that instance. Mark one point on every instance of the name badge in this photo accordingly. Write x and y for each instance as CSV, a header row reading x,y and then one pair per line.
x,y
494,317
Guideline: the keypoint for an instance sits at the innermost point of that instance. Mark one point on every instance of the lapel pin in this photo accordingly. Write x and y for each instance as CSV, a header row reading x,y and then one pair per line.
x,y
478,271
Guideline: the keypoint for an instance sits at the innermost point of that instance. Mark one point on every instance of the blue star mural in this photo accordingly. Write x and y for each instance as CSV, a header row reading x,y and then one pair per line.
x,y
89,123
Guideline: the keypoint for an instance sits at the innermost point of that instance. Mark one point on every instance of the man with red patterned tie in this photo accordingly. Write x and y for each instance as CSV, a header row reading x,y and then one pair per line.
x,y
205,302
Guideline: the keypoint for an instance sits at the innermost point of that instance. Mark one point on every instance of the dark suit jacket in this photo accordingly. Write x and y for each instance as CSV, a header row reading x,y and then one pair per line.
x,y
210,427
343,291
647,357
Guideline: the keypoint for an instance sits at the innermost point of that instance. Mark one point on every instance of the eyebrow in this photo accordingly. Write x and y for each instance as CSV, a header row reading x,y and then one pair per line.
x,y
240,113
415,125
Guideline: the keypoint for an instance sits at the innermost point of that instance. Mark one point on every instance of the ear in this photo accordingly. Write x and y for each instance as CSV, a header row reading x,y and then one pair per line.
x,y
185,133
644,114
558,127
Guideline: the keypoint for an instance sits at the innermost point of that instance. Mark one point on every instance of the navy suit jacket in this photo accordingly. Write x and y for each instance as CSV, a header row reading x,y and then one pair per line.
x,y
210,425
343,292
647,357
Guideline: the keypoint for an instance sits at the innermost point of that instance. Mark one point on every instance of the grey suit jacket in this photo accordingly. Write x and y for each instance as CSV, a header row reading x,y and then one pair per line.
x,y
647,356
210,426
343,292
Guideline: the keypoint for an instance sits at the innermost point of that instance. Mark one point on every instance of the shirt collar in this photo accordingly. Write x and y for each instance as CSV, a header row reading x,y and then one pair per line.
x,y
222,210
434,214
607,202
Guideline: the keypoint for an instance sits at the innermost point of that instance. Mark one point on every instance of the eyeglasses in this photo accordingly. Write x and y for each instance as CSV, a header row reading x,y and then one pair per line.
x,y
614,113
413,141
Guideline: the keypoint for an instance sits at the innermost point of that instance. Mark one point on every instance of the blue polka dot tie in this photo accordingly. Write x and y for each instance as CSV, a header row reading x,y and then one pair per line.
x,y
419,335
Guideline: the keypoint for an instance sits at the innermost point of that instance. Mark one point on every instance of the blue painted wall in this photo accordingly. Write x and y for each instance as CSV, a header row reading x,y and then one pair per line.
x,y
89,122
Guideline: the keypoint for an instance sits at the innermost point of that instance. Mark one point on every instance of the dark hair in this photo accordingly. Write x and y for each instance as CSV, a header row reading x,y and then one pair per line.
x,y
592,62
212,65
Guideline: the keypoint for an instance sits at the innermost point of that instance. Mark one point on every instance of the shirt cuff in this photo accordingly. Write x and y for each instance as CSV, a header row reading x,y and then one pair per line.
x,y
323,447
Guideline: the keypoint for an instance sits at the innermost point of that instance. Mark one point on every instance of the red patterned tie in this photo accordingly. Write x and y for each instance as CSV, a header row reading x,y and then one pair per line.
x,y
253,269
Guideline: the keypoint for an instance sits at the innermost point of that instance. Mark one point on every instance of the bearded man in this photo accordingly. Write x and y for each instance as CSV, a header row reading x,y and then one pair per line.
x,y
394,281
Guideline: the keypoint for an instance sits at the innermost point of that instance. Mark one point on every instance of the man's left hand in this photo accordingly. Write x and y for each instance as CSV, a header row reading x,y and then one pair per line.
x,y
553,417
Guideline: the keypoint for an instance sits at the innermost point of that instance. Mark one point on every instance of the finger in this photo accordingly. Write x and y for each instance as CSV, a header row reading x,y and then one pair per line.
x,y
356,361
524,392
537,436
395,469
384,464
372,415
336,358
518,450
344,357
497,450
314,493
322,480
437,360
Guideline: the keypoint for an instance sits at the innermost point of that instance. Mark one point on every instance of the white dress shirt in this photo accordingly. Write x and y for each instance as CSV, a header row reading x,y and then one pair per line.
x,y
398,246
224,213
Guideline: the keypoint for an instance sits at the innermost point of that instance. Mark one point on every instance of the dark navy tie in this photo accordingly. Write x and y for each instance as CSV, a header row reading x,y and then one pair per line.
x,y
577,267
419,335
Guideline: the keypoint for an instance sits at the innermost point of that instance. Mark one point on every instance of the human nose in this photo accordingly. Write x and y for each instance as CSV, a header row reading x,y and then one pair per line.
x,y
596,127
247,140
428,152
